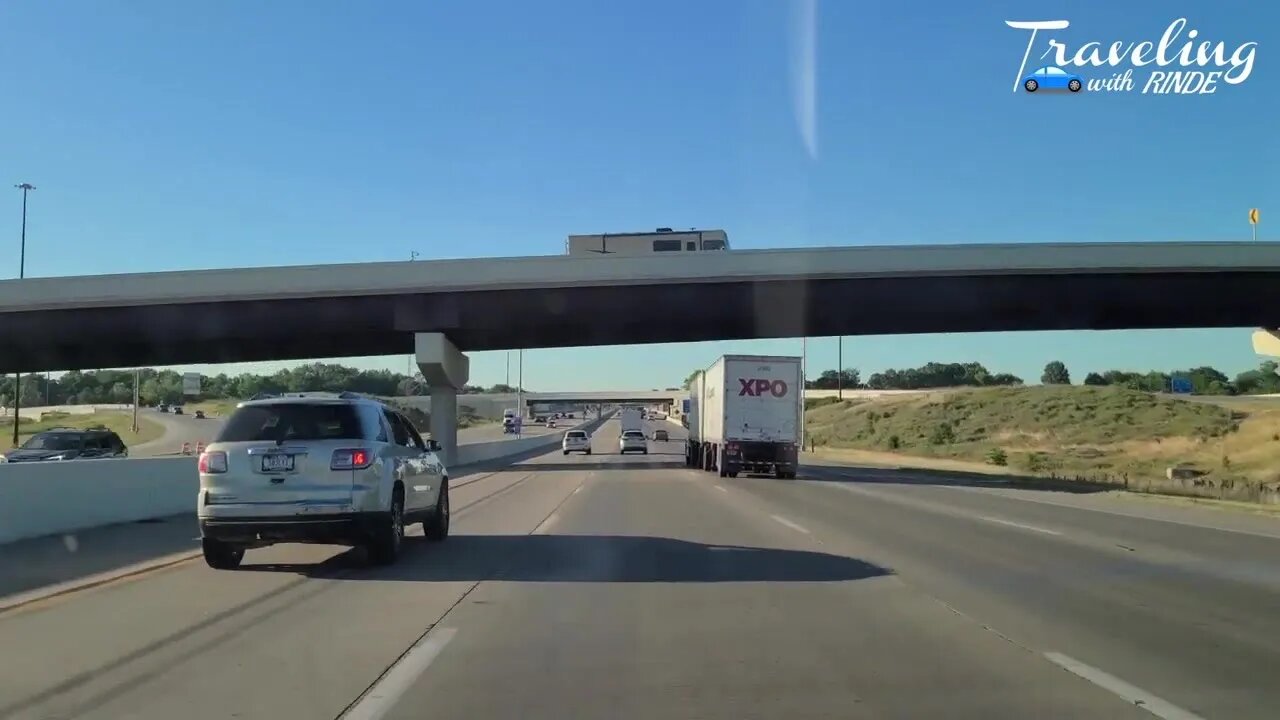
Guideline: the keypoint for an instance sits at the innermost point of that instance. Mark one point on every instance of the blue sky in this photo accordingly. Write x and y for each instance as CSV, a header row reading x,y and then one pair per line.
x,y
167,136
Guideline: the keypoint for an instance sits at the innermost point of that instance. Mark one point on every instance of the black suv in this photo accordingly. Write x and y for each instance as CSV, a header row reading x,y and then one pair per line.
x,y
69,444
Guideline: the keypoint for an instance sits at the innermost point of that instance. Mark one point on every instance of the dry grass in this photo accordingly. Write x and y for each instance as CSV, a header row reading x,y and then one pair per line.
x,y
1092,431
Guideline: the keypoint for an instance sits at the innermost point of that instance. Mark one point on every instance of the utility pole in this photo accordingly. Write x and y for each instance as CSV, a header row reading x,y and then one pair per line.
x,y
804,383
520,393
137,374
22,268
840,369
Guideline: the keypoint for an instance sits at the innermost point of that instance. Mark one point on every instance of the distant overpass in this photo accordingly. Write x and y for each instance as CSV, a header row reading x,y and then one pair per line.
x,y
252,314
491,405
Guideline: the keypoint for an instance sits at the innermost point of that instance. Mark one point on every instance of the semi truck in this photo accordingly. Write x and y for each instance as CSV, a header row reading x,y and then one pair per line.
x,y
630,418
744,415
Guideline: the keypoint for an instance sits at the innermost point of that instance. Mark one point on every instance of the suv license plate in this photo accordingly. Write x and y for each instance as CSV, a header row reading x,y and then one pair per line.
x,y
277,463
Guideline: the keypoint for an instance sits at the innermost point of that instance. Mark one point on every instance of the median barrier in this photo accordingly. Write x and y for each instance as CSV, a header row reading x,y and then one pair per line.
x,y
56,497
49,498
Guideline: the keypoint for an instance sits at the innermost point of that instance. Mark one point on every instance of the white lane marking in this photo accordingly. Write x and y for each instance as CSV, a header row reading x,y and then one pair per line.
x,y
1010,523
788,523
1135,695
577,490
542,526
927,506
721,488
386,691
1117,513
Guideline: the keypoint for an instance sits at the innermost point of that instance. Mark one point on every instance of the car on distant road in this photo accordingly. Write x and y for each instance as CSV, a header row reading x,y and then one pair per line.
x,y
660,436
632,440
341,469
199,415
162,407
68,444
177,409
576,441
551,422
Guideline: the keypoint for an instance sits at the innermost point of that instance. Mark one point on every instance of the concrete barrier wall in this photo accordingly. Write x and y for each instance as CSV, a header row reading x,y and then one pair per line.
x,y
39,499
480,452
38,412
49,498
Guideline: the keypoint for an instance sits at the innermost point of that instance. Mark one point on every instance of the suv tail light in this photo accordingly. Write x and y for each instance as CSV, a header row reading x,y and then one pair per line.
x,y
212,462
351,459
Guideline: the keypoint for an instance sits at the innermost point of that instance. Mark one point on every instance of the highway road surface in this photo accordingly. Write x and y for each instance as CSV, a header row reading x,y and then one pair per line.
x,y
610,586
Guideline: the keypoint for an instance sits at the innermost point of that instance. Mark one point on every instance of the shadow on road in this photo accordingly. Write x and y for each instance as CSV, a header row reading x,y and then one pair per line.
x,y
830,472
43,561
588,558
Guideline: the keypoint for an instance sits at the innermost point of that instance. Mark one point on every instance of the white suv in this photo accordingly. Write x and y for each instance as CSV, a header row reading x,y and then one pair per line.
x,y
341,469
576,441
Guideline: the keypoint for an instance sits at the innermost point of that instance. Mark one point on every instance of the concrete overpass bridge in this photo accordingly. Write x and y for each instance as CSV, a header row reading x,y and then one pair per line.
x,y
440,309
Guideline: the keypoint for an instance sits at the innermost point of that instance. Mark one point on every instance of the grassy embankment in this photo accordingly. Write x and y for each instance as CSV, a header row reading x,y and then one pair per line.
x,y
1106,434
121,422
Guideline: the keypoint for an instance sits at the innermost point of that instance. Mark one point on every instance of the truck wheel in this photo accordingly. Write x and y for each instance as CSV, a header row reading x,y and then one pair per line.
x,y
221,556
733,474
437,528
384,547
566,452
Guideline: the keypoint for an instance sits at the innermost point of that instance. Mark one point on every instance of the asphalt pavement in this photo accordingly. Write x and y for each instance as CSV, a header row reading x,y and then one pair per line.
x,y
610,586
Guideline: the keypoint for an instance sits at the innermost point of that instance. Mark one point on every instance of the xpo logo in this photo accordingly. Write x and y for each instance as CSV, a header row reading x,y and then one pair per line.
x,y
759,386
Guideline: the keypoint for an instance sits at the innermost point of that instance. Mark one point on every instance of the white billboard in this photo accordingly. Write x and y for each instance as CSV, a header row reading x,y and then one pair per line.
x,y
191,383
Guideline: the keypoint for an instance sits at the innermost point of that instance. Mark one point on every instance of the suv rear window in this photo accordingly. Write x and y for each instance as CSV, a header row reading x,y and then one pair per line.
x,y
633,433
283,422
575,434
53,441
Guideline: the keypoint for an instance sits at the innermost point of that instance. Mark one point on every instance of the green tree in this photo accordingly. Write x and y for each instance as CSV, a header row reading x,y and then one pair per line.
x,y
689,379
1094,378
1055,373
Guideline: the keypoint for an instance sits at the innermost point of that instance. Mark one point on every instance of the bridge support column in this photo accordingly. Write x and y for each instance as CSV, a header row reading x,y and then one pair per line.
x,y
446,370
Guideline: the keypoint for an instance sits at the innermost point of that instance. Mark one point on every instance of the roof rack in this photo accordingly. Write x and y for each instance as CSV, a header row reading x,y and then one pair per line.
x,y
343,395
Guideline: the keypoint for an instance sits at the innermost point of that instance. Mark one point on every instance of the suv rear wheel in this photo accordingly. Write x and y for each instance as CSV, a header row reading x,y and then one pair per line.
x,y
221,556
385,546
437,527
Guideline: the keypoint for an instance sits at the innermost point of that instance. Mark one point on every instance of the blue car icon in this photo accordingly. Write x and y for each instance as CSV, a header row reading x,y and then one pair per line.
x,y
1052,78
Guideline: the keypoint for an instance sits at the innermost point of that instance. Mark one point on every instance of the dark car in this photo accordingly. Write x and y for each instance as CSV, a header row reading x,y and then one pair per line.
x,y
69,444
660,435
199,415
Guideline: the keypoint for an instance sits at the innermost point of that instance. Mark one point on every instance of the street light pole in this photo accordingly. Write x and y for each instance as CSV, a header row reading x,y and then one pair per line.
x,y
22,270
137,377
520,392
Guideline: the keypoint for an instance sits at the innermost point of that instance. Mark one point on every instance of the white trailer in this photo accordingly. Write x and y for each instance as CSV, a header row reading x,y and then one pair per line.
x,y
745,413
630,418
662,240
